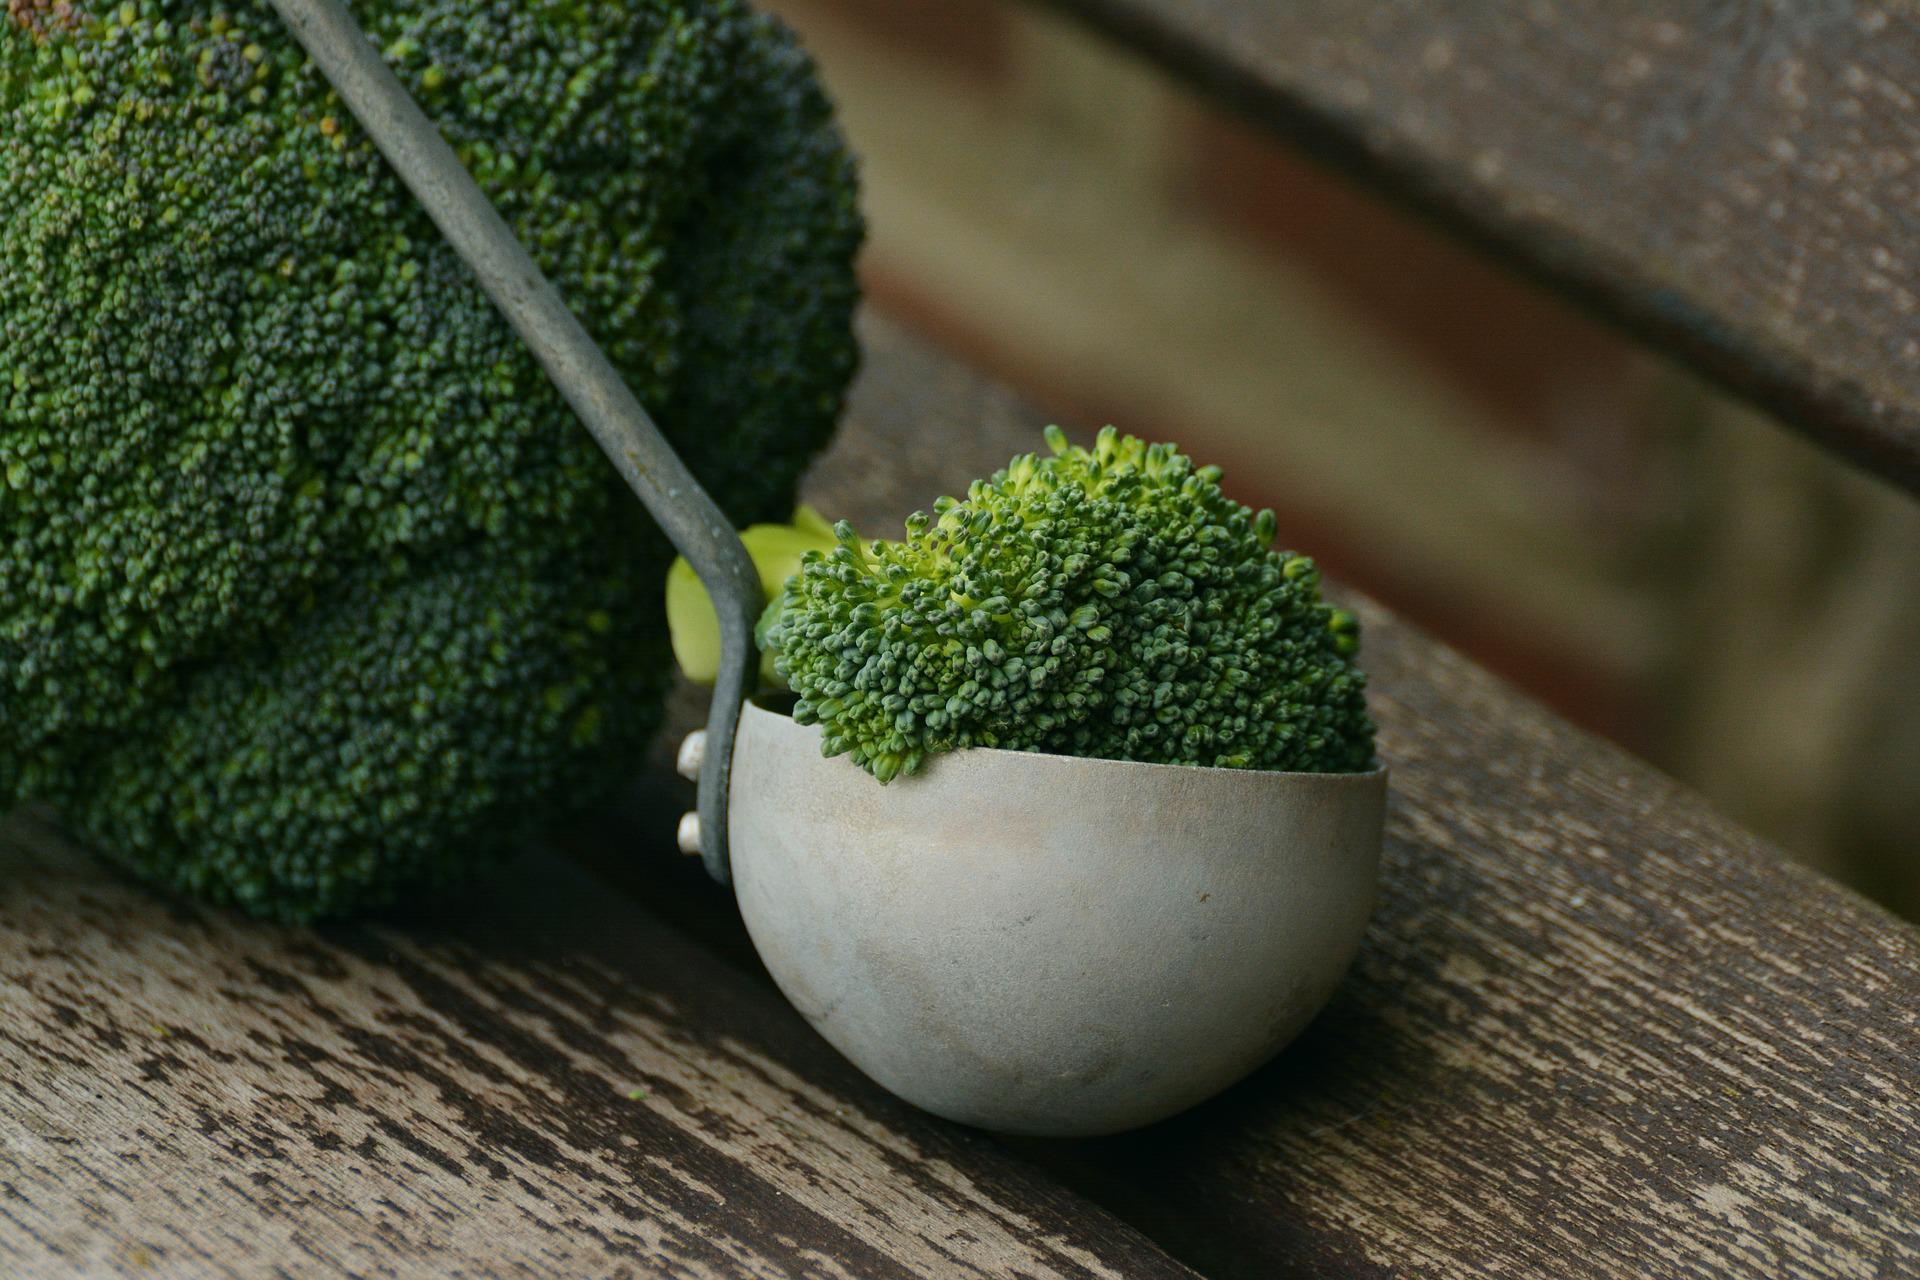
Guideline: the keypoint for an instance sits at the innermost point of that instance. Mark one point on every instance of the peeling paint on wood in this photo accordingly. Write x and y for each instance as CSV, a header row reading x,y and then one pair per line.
x,y
537,1080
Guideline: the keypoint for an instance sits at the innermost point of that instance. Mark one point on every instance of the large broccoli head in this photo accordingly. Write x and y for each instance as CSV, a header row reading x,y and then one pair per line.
x,y
1111,603
310,584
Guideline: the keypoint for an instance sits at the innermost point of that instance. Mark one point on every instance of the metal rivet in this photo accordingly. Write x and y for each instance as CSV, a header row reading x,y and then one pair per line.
x,y
693,754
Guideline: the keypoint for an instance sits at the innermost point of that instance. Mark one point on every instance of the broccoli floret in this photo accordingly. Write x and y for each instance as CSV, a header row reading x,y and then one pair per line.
x,y
311,587
1109,602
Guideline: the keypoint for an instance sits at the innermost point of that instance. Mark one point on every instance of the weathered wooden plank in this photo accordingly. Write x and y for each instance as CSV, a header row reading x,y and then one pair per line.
x,y
534,1080
1595,1030
1736,182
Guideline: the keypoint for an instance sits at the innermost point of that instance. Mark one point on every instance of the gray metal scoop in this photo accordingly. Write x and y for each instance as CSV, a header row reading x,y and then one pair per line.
x,y
1031,943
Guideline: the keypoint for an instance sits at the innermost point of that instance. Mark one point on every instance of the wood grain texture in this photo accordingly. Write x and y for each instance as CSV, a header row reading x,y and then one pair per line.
x,y
535,1081
1736,182
1595,1029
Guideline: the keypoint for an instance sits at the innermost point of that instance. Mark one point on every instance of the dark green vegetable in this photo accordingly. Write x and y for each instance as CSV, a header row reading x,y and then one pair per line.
x,y
310,586
1109,602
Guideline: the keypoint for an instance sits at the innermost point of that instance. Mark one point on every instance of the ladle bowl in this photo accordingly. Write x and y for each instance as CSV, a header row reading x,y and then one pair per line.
x,y
1045,945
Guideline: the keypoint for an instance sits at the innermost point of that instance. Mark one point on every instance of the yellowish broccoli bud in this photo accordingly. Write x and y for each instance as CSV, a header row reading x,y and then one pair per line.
x,y
777,550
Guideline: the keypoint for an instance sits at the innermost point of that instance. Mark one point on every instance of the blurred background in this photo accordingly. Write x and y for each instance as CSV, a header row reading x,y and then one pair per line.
x,y
1657,561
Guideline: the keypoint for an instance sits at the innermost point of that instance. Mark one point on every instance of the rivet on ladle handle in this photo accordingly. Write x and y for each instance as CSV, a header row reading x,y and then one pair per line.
x,y
693,755
579,369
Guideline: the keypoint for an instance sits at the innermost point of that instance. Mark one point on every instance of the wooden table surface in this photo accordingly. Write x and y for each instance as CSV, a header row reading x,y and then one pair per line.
x,y
536,1079
1737,182
1595,1030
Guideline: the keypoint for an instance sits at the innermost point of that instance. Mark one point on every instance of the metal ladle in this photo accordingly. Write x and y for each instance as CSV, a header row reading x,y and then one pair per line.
x,y
1030,943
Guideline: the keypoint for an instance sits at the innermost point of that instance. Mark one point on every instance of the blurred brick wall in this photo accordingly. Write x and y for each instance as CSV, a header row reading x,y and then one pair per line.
x,y
1576,513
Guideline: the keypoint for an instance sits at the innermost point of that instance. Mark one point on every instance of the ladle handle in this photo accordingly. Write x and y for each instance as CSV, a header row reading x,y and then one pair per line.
x,y
581,371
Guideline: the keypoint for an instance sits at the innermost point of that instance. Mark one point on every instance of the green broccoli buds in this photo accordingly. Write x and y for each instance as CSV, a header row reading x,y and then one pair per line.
x,y
313,591
1110,602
